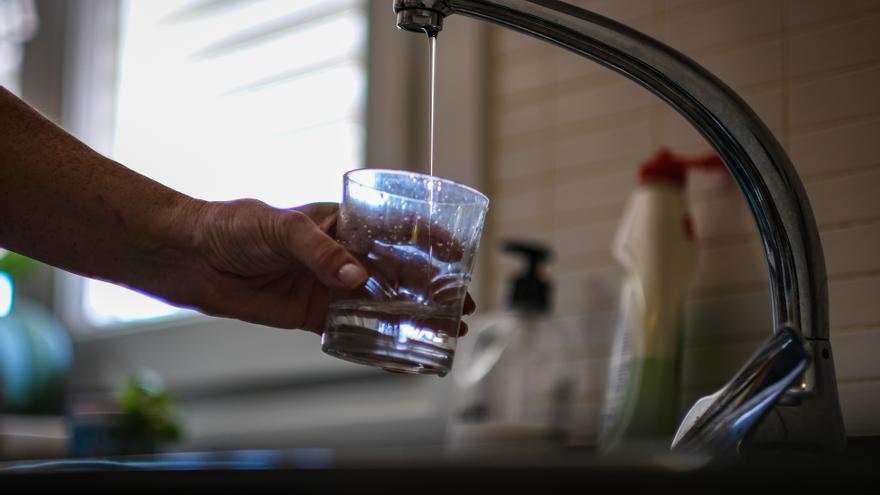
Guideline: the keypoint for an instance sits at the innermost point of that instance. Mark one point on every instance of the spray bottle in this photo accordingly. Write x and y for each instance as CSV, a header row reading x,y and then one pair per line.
x,y
655,247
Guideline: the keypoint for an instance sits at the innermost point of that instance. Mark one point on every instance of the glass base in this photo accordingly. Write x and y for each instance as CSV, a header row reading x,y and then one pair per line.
x,y
391,340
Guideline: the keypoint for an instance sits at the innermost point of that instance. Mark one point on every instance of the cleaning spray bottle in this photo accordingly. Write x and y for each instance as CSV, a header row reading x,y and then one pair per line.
x,y
655,247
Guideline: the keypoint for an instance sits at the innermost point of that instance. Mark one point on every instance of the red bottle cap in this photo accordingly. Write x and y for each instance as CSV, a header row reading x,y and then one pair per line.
x,y
663,167
668,167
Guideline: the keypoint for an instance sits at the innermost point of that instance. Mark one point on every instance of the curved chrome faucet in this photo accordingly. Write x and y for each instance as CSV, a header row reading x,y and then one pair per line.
x,y
775,399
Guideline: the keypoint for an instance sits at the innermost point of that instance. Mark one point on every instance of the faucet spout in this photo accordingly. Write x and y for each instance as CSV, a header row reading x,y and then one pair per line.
x,y
421,16
807,409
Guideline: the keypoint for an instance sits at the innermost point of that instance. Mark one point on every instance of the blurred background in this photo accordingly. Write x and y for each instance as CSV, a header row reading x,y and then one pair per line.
x,y
276,99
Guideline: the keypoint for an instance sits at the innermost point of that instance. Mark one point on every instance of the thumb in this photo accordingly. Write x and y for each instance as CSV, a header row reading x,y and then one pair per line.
x,y
327,259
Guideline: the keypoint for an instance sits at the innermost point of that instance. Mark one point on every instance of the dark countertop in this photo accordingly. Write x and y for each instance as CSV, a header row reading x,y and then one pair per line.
x,y
437,470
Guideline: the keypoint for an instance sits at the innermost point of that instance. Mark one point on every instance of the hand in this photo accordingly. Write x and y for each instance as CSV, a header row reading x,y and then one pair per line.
x,y
271,266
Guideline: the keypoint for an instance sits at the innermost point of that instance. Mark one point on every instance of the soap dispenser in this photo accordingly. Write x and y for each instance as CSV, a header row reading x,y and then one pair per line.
x,y
529,293
500,398
527,303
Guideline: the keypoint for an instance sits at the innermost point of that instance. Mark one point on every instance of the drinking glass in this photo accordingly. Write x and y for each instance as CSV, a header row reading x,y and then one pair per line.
x,y
417,235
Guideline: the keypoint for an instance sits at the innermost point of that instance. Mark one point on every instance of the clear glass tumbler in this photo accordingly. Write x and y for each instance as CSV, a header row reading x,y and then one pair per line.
x,y
417,236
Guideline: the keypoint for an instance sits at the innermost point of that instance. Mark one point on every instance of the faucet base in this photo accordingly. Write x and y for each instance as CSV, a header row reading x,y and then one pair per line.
x,y
808,417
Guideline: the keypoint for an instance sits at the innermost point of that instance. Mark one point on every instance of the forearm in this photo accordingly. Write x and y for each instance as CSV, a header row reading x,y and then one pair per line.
x,y
66,205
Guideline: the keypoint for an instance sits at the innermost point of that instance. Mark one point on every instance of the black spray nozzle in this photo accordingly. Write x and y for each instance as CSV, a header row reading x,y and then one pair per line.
x,y
529,292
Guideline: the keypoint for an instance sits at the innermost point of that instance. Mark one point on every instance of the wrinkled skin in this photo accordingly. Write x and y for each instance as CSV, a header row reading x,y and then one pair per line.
x,y
247,258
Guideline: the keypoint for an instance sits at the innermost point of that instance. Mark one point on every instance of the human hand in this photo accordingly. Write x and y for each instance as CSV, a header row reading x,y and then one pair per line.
x,y
270,266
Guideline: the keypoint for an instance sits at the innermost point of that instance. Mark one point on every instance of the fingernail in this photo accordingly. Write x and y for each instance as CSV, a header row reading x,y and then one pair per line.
x,y
351,275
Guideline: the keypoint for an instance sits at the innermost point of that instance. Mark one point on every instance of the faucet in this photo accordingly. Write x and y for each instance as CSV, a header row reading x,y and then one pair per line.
x,y
786,395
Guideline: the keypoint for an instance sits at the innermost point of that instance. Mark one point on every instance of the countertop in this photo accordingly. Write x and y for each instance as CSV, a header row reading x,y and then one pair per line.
x,y
433,469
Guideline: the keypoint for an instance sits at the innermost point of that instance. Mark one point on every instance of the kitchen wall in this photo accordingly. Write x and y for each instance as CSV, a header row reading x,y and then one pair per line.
x,y
566,136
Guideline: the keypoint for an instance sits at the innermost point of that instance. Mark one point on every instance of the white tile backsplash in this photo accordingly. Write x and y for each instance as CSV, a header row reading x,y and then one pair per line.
x,y
816,13
854,302
838,97
728,24
836,149
836,47
619,142
852,251
846,199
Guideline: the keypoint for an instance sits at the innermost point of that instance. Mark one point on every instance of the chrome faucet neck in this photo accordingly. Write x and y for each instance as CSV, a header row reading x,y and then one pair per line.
x,y
807,412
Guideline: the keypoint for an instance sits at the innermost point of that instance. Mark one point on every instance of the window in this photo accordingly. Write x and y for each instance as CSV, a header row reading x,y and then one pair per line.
x,y
18,24
224,99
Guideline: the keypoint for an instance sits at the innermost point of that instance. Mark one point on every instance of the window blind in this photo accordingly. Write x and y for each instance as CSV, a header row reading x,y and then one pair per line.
x,y
225,99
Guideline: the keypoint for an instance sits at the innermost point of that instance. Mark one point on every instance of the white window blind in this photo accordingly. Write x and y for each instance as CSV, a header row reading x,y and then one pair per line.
x,y
225,99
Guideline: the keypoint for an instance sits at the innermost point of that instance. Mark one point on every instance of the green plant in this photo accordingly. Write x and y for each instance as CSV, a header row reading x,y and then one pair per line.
x,y
17,266
149,408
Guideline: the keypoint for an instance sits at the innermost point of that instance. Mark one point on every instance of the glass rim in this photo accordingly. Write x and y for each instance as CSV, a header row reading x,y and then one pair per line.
x,y
480,199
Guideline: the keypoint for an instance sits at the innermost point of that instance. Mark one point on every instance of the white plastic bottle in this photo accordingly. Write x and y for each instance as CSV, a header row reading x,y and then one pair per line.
x,y
655,247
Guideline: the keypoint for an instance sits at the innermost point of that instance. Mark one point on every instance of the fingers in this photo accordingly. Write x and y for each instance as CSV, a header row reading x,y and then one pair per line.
x,y
402,229
468,309
469,305
323,214
307,242
439,242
